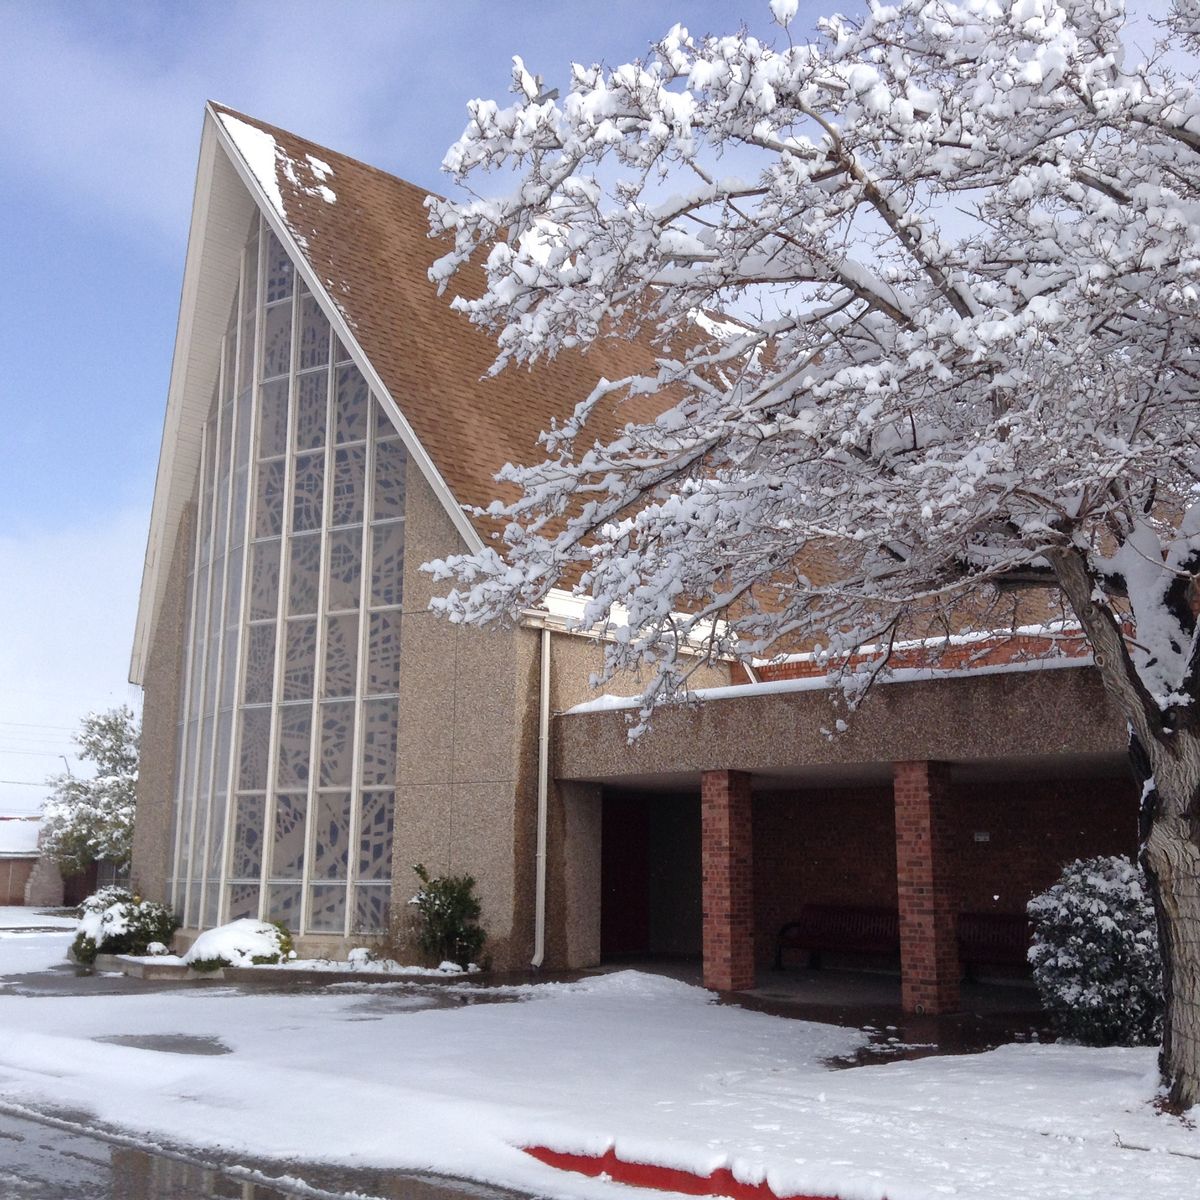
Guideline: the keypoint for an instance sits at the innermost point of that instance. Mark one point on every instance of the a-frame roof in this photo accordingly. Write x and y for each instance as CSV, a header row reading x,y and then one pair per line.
x,y
360,238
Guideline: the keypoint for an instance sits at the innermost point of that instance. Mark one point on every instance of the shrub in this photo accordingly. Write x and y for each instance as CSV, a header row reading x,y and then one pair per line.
x,y
447,917
1095,954
114,921
241,943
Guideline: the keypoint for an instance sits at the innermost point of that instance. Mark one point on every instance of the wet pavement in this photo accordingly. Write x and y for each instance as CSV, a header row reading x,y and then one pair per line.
x,y
61,1159
992,1012
387,993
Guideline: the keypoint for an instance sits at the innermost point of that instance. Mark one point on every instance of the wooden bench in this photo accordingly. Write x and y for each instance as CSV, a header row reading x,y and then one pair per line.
x,y
838,927
992,939
984,939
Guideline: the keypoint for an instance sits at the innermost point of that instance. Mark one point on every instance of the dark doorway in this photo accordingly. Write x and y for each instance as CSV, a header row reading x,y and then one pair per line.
x,y
650,876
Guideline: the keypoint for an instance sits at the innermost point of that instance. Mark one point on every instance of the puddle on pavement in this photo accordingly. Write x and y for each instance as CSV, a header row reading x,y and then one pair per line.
x,y
377,1003
51,1162
926,1038
138,1175
169,1043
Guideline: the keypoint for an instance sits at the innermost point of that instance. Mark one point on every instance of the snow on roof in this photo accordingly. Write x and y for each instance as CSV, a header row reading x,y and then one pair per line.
x,y
1069,631
259,149
266,158
19,836
817,683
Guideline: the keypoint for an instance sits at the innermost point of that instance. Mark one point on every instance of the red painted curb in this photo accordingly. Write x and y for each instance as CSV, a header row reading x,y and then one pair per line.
x,y
664,1179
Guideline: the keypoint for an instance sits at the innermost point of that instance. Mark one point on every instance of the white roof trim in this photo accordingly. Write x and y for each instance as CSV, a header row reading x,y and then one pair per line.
x,y
193,375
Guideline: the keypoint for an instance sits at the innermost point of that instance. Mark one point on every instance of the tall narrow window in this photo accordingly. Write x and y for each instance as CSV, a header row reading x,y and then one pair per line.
x,y
289,701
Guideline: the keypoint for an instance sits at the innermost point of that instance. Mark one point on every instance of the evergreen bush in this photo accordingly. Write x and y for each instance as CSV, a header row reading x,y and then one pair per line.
x,y
447,917
1095,954
115,921
242,943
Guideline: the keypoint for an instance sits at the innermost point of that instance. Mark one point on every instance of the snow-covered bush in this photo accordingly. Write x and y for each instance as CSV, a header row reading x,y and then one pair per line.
x,y
1095,954
447,918
243,943
114,921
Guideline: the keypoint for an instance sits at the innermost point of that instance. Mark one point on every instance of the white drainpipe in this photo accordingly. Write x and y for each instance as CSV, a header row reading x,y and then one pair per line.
x,y
543,801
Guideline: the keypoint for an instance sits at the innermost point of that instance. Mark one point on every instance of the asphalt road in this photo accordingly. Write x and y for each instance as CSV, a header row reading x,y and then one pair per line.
x,y
62,1160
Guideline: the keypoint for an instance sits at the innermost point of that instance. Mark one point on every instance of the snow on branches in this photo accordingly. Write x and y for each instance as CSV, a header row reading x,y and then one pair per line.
x,y
922,297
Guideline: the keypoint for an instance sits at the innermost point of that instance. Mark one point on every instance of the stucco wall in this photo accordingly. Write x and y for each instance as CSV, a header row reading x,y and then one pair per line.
x,y
466,788
160,732
1025,714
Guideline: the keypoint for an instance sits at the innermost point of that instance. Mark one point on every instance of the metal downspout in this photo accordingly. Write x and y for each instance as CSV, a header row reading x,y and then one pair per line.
x,y
543,802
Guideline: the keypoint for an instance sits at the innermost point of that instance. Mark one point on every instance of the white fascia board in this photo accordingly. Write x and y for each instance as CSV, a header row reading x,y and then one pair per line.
x,y
342,328
179,451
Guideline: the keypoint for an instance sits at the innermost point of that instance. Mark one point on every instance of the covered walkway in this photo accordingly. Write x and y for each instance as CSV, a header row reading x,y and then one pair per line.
x,y
945,803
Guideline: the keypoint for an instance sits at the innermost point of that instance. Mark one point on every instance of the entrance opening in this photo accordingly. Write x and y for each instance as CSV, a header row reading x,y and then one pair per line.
x,y
650,876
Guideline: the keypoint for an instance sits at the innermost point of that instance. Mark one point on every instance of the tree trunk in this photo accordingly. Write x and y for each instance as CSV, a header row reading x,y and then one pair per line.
x,y
1171,858
1165,752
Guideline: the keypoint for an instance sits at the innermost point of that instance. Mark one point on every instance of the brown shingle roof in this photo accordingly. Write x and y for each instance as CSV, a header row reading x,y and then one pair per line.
x,y
372,250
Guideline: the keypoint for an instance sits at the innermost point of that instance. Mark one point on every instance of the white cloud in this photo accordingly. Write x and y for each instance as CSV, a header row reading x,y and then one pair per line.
x,y
111,118
103,103
67,608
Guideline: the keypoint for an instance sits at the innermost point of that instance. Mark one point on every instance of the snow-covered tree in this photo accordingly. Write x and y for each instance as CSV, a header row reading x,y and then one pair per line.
x,y
90,818
923,298
1095,954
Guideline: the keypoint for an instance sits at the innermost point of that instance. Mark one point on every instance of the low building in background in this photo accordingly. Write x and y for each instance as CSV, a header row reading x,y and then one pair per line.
x,y
26,877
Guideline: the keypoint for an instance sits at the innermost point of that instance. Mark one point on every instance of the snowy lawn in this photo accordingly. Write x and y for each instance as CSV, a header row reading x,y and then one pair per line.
x,y
15,918
366,1077
24,944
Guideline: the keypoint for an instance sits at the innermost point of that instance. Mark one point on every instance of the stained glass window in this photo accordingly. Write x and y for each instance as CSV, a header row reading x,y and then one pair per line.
x,y
288,729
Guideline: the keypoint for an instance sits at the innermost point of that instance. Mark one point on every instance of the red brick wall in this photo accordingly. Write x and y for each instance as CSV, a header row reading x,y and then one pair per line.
x,y
14,874
999,649
838,846
727,880
927,886
835,846
1034,828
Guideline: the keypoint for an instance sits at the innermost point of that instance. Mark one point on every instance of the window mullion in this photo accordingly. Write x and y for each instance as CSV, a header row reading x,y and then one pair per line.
x,y
289,480
181,783
242,601
364,630
314,745
202,686
222,603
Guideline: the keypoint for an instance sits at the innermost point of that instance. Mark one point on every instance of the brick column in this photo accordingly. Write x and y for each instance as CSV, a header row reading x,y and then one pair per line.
x,y
925,887
728,880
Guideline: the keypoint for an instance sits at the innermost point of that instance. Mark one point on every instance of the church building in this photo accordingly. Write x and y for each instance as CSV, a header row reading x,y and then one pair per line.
x,y
311,730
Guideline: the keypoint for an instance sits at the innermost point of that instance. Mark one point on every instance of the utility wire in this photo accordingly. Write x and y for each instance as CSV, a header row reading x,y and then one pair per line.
x,y
35,725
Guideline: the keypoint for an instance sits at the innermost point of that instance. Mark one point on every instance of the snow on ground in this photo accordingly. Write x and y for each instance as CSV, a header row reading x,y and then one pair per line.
x,y
13,917
24,944
365,1077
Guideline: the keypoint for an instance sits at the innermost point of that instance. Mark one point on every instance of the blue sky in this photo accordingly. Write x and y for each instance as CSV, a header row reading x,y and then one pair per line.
x,y
103,104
